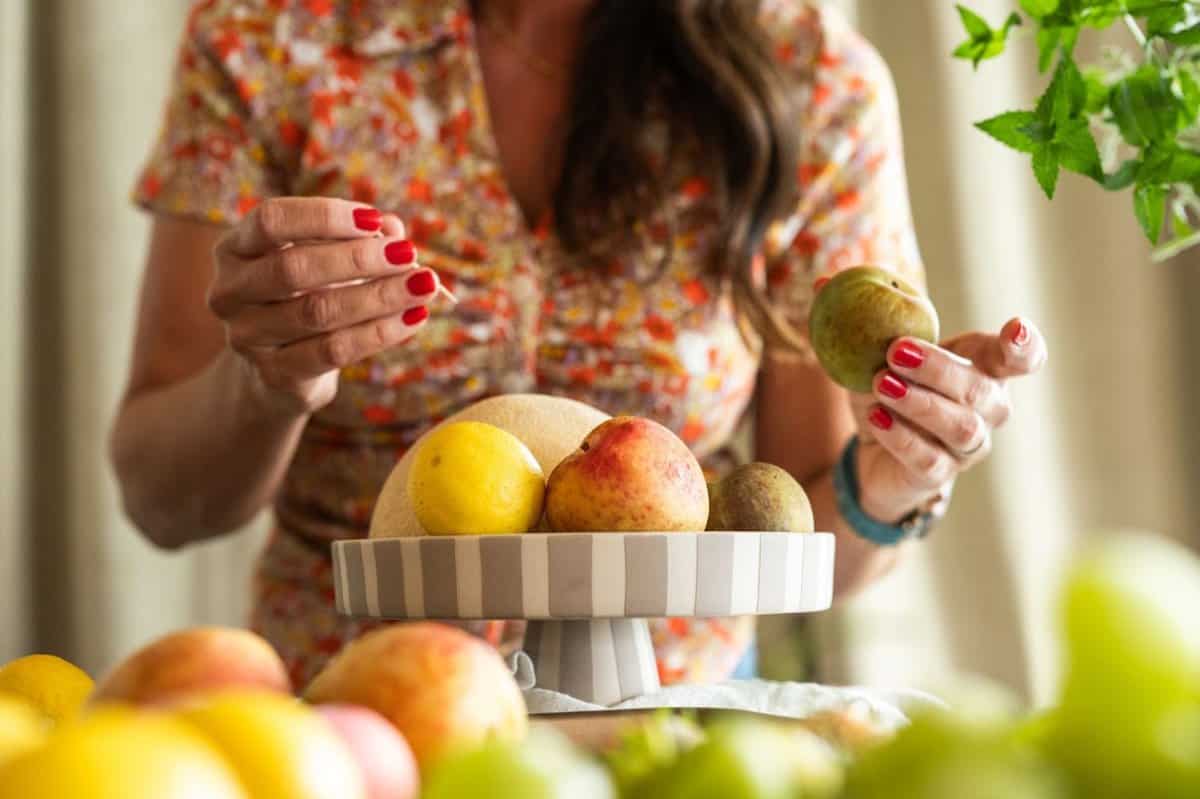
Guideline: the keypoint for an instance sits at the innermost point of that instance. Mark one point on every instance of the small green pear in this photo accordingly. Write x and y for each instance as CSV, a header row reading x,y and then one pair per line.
x,y
759,497
856,317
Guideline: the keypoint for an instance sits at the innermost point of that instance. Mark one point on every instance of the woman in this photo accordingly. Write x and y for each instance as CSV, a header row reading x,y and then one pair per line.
x,y
632,200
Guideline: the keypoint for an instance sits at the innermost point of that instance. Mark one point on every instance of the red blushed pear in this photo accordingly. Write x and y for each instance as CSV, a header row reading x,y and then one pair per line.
x,y
630,474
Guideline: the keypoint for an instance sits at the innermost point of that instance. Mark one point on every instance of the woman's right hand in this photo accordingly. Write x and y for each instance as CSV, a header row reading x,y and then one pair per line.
x,y
306,286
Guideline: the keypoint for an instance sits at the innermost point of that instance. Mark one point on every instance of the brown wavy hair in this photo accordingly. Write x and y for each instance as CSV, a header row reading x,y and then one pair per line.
x,y
707,70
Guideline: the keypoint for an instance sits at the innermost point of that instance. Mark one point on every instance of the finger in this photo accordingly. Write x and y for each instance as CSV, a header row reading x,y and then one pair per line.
x,y
282,220
324,353
958,427
273,324
285,273
393,228
1019,350
927,466
950,375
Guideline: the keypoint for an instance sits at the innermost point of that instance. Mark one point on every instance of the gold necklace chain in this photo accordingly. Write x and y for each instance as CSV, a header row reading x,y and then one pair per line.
x,y
505,33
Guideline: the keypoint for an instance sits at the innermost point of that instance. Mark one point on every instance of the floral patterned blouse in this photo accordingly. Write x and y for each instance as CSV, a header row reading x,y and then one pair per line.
x,y
382,101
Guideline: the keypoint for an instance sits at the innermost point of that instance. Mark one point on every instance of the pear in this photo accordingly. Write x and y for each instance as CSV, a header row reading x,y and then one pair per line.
x,y
856,317
759,497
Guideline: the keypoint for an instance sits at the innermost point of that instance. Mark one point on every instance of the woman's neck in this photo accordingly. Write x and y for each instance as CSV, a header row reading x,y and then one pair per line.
x,y
549,28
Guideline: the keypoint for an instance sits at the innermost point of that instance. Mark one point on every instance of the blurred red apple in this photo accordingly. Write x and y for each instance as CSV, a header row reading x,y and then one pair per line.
x,y
195,661
386,759
442,688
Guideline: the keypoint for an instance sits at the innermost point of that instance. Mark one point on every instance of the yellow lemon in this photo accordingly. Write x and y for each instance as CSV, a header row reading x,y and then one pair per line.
x,y
280,748
472,478
118,754
55,687
21,727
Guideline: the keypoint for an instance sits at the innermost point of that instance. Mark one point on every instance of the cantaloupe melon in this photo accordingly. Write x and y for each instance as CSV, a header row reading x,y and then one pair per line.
x,y
552,427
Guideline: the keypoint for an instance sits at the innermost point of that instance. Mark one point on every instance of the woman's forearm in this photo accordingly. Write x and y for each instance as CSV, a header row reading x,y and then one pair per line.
x,y
858,561
201,457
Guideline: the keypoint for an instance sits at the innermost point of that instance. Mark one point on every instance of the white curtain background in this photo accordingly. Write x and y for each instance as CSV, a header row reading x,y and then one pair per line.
x,y
1105,438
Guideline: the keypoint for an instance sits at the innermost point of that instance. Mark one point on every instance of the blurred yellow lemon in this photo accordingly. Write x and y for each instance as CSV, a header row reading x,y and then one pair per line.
x,y
471,478
280,748
118,754
21,727
53,686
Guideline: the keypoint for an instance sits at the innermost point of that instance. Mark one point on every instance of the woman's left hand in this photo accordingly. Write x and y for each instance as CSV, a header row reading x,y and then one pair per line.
x,y
932,412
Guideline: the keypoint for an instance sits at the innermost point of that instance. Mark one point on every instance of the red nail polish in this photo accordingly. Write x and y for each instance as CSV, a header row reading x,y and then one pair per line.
x,y
421,283
368,219
820,284
1020,336
415,315
892,386
400,253
881,419
909,356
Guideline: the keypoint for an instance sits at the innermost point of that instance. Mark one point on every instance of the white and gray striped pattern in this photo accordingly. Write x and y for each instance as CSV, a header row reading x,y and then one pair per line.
x,y
603,661
584,575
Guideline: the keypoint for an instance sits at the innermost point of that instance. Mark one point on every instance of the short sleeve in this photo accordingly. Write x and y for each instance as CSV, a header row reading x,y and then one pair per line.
x,y
853,206
212,159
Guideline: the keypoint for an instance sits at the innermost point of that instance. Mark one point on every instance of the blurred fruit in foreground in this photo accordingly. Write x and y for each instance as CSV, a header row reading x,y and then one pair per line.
x,y
1129,719
22,727
383,756
759,497
194,661
544,766
472,478
941,756
443,688
856,317
53,686
279,748
750,759
649,746
115,753
630,474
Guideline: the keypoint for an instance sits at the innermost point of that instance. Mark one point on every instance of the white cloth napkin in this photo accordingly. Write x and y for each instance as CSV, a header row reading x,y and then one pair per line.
x,y
884,709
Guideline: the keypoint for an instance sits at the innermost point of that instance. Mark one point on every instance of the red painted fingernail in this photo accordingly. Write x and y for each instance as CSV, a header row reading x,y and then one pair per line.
x,y
421,283
820,284
400,253
892,386
881,419
368,219
1020,336
909,356
415,315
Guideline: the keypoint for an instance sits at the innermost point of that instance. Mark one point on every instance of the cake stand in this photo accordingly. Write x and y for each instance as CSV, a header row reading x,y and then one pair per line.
x,y
586,596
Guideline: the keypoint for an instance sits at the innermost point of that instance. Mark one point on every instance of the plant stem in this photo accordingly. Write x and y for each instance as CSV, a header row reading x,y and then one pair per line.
x,y
1136,30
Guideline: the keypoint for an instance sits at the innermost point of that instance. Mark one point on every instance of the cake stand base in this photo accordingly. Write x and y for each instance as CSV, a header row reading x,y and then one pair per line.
x,y
602,661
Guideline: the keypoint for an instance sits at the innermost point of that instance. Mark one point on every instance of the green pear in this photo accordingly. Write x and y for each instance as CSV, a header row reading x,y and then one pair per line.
x,y
856,317
759,497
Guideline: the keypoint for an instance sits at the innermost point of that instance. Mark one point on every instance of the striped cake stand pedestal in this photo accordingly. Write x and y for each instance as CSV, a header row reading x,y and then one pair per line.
x,y
586,596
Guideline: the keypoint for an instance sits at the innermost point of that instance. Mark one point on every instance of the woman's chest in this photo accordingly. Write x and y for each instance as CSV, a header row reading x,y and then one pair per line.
x,y
628,335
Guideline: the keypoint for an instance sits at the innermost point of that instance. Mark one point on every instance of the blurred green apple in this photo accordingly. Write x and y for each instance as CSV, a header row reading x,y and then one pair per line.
x,y
545,766
856,317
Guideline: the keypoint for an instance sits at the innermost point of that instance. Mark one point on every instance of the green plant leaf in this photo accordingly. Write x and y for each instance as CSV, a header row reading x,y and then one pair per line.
x,y
984,42
1039,8
1149,205
1144,107
1097,92
976,26
1186,38
1163,20
1124,177
1066,95
1010,129
1076,150
1045,168
1189,92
